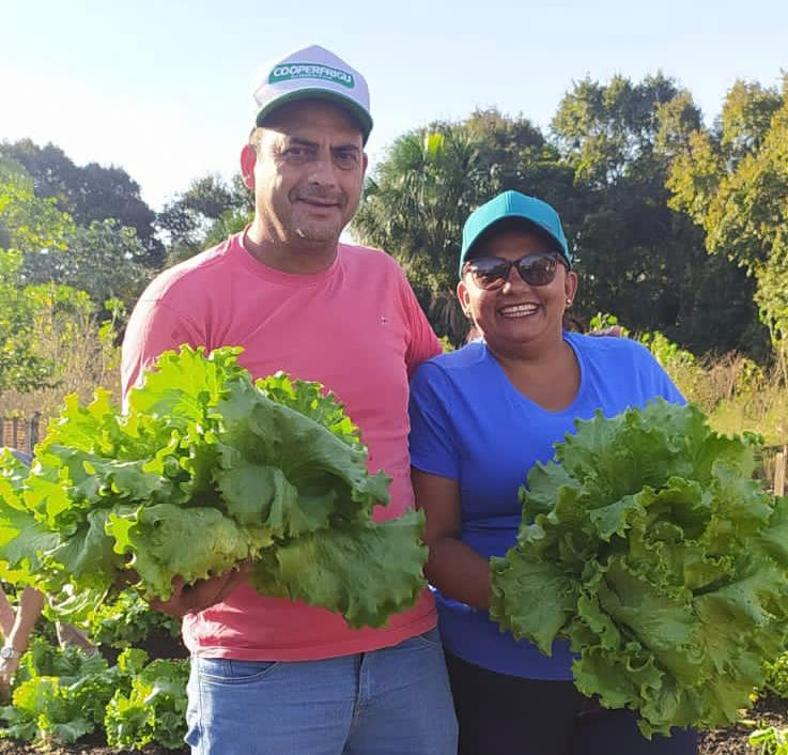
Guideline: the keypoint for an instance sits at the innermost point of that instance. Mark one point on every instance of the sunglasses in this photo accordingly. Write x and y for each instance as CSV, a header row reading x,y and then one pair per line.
x,y
490,273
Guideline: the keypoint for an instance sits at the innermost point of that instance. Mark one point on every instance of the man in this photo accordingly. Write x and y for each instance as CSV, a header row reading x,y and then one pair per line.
x,y
271,675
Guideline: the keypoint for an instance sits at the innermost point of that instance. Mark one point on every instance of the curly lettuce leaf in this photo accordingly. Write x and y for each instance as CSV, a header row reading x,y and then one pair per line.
x,y
152,710
648,545
22,537
328,473
365,573
207,470
155,536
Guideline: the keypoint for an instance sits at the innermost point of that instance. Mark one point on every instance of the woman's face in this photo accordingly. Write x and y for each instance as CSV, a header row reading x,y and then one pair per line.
x,y
516,313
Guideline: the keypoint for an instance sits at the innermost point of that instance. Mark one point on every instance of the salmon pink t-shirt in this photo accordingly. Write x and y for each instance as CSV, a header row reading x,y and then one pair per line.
x,y
355,327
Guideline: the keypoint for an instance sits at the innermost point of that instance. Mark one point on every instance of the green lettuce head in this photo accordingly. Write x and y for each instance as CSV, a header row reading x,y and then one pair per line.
x,y
209,469
648,544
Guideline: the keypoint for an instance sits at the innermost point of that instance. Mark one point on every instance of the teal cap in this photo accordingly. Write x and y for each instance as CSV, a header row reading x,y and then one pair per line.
x,y
512,204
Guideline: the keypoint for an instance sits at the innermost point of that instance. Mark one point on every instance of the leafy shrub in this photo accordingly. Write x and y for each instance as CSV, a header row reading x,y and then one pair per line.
x,y
62,694
777,676
59,694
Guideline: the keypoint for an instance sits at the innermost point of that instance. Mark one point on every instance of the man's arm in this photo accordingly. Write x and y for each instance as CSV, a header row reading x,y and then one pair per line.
x,y
423,344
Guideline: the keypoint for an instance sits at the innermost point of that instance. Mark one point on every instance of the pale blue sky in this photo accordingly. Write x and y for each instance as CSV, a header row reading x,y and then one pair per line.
x,y
164,89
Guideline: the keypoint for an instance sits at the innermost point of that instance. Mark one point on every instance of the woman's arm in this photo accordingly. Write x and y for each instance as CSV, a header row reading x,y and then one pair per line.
x,y
453,567
6,614
30,605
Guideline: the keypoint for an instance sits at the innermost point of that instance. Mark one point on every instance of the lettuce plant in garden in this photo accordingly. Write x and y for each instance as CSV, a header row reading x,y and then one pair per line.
x,y
152,708
62,694
648,545
127,621
206,470
58,694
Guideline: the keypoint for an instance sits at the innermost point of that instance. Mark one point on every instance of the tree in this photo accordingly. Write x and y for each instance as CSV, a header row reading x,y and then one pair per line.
x,y
733,181
26,222
638,257
21,367
88,193
419,197
101,260
208,211
41,319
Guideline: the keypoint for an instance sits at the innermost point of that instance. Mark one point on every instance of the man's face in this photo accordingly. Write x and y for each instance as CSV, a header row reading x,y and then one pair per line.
x,y
308,172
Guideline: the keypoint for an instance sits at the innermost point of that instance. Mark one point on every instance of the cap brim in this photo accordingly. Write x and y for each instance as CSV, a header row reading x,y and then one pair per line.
x,y
363,118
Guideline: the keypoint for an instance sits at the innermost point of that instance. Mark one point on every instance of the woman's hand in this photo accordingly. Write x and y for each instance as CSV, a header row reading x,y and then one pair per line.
x,y
8,667
203,594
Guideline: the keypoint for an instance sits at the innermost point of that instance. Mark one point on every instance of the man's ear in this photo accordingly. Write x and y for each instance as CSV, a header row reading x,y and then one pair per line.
x,y
248,161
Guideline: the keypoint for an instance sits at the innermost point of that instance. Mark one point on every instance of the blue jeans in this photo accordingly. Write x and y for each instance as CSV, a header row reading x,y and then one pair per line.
x,y
393,701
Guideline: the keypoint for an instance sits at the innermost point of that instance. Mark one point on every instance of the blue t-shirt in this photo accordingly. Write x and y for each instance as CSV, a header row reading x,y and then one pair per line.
x,y
470,424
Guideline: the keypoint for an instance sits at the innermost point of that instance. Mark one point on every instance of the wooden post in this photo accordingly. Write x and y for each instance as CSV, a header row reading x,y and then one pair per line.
x,y
780,461
33,431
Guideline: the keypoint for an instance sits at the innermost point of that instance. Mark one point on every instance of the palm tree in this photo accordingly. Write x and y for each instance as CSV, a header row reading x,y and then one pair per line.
x,y
420,196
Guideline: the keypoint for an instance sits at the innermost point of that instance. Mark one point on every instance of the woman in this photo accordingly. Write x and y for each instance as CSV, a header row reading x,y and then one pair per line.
x,y
481,417
17,626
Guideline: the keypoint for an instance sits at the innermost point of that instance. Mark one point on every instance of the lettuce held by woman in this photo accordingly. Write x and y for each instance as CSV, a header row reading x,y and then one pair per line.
x,y
647,543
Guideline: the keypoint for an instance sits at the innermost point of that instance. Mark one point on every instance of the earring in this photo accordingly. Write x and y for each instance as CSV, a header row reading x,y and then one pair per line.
x,y
568,302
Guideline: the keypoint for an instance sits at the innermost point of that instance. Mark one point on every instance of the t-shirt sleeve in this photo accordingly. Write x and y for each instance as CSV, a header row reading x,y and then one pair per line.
x,y
153,327
660,383
423,344
433,446
669,391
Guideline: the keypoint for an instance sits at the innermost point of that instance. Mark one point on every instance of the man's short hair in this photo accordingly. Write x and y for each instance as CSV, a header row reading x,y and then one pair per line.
x,y
255,137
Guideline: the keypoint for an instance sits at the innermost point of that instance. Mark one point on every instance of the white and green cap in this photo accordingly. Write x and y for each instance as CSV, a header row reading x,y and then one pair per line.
x,y
314,73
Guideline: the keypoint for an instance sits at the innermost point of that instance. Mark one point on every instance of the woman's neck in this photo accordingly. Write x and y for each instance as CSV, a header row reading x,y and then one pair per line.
x,y
547,375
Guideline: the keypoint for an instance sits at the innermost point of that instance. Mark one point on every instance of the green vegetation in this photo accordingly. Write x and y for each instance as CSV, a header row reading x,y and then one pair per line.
x,y
648,545
770,741
127,621
61,695
208,470
736,393
676,227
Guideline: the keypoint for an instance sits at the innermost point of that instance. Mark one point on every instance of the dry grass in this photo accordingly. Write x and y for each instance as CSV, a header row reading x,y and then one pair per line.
x,y
85,356
737,395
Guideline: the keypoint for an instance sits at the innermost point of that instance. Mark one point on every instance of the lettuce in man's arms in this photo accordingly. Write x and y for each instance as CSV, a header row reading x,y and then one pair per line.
x,y
209,469
648,544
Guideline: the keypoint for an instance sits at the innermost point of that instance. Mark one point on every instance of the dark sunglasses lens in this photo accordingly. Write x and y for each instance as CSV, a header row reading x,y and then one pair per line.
x,y
538,270
488,272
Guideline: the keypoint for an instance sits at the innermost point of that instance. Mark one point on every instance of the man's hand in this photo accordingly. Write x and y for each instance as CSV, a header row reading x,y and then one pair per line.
x,y
613,330
202,594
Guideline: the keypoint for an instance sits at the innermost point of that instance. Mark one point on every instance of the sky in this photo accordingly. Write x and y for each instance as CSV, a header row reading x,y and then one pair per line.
x,y
163,88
